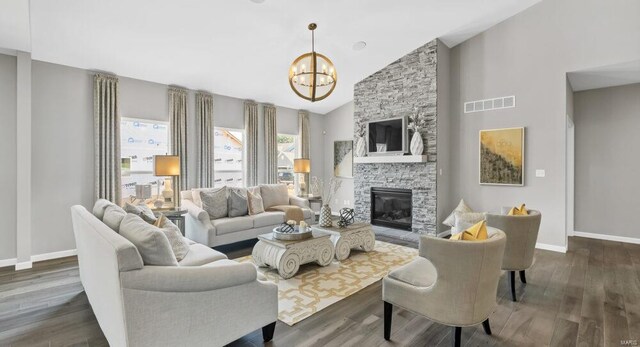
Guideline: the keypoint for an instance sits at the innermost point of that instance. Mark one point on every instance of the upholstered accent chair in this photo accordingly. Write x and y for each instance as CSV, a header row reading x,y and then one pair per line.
x,y
451,282
522,234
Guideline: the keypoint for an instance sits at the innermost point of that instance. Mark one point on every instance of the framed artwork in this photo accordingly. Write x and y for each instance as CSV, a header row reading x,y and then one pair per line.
x,y
343,159
502,156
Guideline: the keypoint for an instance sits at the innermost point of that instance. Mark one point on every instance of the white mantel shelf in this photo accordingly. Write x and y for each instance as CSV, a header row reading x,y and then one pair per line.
x,y
391,159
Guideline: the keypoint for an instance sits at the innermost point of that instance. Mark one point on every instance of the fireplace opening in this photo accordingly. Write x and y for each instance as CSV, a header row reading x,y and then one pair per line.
x,y
391,207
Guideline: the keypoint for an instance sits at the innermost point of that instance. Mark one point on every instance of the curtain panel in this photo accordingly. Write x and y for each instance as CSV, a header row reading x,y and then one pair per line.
x,y
178,123
106,138
204,128
271,139
303,133
251,143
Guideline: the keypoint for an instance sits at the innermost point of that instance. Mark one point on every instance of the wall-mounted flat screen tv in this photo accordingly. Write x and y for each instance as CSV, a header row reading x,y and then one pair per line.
x,y
387,136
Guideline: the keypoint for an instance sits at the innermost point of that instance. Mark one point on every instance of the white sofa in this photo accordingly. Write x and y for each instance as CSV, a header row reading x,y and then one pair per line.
x,y
207,300
215,232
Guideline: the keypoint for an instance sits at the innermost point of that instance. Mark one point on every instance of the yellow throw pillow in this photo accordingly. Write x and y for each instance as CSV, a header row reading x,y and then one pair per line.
x,y
518,211
476,232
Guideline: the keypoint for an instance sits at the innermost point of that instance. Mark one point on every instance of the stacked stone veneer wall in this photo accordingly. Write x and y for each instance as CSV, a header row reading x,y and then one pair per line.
x,y
397,90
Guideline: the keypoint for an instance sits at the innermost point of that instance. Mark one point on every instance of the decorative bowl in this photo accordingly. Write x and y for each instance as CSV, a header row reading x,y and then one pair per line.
x,y
280,234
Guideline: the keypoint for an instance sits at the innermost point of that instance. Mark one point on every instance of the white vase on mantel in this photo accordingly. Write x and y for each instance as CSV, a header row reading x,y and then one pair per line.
x,y
417,147
361,147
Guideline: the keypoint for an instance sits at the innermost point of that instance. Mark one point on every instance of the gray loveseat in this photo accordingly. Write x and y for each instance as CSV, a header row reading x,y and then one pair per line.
x,y
215,232
207,300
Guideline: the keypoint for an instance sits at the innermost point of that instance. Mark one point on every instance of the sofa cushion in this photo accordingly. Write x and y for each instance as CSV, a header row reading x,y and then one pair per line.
x,y
151,242
308,213
420,273
230,225
200,254
195,194
141,210
113,216
237,202
274,195
179,245
100,206
214,202
268,218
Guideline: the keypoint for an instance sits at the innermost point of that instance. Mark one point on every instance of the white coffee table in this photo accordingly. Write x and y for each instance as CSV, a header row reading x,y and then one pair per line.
x,y
355,236
287,256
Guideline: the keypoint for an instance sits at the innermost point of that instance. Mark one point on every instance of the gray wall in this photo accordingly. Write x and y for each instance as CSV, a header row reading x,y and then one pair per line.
x,y
445,203
338,126
607,169
528,55
8,156
62,144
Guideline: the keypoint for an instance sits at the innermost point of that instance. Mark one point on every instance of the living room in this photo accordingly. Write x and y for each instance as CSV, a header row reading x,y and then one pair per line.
x,y
344,207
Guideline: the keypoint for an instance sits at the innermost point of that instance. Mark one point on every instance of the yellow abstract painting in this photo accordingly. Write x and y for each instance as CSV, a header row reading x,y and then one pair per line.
x,y
502,156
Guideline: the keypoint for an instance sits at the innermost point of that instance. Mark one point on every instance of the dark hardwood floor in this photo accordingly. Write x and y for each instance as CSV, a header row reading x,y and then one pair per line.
x,y
589,296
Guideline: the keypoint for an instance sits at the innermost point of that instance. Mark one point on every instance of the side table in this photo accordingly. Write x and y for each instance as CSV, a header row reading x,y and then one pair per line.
x,y
176,215
354,236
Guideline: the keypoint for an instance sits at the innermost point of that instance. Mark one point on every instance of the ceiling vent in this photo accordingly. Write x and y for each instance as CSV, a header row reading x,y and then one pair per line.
x,y
490,104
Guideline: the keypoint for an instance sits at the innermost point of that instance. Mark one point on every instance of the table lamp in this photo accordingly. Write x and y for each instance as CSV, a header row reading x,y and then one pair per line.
x,y
168,166
302,166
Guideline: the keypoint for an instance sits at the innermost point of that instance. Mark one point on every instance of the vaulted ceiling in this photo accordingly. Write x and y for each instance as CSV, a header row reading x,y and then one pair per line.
x,y
240,48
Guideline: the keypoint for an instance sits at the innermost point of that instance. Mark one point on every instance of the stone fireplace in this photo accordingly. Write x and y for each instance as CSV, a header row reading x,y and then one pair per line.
x,y
402,88
391,207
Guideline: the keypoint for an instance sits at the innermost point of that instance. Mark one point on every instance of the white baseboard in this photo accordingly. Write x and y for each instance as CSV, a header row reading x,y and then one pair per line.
x,y
24,265
607,237
36,258
53,255
554,248
8,262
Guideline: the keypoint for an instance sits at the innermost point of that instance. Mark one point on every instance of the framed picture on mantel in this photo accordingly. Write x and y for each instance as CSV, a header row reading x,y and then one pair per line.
x,y
502,156
343,159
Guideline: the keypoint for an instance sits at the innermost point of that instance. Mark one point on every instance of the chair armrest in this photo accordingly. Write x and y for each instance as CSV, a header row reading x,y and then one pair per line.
x,y
298,201
189,279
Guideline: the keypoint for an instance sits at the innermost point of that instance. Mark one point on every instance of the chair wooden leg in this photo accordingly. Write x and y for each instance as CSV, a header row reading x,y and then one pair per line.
x,y
512,283
457,335
486,326
388,313
267,332
523,279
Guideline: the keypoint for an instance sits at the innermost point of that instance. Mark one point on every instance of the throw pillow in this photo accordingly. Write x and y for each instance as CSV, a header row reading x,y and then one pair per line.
x,y
518,211
274,195
255,203
238,204
100,206
195,194
179,244
466,220
152,244
214,202
476,232
462,207
113,216
141,210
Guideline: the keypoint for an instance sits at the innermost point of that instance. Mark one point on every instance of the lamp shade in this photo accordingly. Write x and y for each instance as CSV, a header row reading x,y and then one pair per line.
x,y
302,165
166,165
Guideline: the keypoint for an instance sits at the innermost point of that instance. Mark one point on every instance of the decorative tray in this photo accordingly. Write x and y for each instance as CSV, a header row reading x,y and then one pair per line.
x,y
288,233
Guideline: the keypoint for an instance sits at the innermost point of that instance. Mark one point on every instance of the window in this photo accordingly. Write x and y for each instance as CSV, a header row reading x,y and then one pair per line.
x,y
227,152
140,140
287,149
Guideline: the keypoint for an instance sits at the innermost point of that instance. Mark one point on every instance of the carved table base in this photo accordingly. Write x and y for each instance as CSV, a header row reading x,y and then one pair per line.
x,y
355,236
287,256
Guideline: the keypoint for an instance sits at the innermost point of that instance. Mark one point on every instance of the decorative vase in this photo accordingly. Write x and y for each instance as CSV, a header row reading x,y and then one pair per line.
x,y
416,144
361,147
325,216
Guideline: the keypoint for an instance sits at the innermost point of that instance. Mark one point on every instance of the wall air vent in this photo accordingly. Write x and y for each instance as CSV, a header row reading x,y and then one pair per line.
x,y
490,104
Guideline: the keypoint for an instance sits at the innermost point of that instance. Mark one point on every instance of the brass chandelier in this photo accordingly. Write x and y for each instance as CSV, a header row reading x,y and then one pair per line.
x,y
312,75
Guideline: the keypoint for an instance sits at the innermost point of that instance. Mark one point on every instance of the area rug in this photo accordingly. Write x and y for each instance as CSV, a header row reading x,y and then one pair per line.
x,y
314,287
